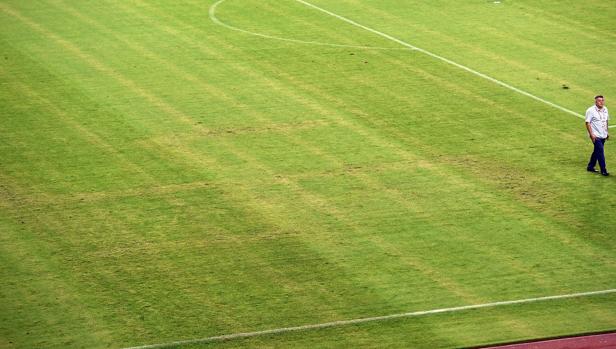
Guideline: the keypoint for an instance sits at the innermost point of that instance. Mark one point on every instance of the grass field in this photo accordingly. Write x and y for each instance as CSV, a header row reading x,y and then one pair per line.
x,y
173,171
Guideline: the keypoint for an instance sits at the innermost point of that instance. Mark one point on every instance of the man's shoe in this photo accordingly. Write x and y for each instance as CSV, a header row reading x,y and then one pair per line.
x,y
591,170
605,173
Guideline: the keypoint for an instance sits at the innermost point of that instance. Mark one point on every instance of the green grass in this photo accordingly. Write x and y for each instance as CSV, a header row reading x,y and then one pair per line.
x,y
165,178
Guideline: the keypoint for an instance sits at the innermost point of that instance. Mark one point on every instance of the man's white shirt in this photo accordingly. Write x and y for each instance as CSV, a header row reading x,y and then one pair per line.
x,y
598,120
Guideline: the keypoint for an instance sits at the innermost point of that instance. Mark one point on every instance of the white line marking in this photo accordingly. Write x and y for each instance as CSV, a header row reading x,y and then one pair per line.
x,y
367,319
446,60
212,14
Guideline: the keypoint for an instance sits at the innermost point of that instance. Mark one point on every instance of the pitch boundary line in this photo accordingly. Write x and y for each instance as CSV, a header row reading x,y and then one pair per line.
x,y
212,15
340,323
446,60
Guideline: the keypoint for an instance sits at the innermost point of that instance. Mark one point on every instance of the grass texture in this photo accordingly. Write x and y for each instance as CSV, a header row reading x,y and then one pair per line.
x,y
163,177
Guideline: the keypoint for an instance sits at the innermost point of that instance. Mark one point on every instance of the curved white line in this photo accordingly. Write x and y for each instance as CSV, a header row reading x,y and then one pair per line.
x,y
212,14
369,319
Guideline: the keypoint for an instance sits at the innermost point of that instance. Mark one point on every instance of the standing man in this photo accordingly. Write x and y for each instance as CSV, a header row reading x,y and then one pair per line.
x,y
597,125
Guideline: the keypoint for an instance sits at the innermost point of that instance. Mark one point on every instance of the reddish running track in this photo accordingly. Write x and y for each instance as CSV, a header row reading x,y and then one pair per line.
x,y
597,341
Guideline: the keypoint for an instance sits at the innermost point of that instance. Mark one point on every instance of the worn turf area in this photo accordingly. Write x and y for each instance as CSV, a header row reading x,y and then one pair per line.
x,y
165,177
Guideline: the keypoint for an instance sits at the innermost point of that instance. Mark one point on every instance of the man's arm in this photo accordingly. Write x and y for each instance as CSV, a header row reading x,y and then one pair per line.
x,y
607,124
590,134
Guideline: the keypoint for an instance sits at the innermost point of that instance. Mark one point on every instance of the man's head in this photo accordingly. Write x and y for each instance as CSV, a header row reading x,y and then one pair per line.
x,y
599,101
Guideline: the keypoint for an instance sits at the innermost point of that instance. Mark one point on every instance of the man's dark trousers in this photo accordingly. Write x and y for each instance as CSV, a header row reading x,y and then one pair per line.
x,y
598,155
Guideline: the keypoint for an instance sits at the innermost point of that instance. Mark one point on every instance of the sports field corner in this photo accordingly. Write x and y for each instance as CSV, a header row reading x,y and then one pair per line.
x,y
304,173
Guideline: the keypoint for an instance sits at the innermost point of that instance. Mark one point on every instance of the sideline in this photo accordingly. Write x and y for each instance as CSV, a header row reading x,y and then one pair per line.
x,y
367,319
